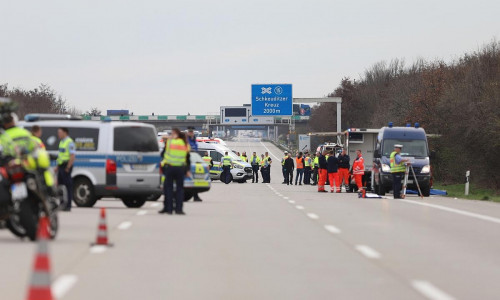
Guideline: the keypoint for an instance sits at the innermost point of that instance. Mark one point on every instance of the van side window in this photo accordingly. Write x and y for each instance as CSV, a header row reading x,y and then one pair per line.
x,y
216,156
86,139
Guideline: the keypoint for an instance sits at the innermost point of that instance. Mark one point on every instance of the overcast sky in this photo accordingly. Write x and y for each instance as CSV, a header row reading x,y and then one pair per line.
x,y
175,57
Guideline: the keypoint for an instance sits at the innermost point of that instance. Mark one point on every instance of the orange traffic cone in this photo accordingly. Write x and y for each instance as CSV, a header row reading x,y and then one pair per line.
x,y
102,231
40,278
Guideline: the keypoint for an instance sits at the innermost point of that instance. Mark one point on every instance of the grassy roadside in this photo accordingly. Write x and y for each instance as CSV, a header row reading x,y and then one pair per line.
x,y
475,193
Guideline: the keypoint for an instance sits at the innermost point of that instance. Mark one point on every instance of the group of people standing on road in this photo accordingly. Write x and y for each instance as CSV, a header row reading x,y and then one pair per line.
x,y
262,164
322,168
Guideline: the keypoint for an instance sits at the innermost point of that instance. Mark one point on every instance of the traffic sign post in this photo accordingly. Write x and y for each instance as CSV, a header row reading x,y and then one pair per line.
x,y
272,100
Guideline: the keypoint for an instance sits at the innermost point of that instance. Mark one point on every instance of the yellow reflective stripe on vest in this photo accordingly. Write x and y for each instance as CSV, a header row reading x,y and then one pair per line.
x,y
226,161
175,153
396,168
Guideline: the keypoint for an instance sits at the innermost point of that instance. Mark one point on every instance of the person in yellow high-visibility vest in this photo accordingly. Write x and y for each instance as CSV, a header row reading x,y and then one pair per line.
x,y
255,163
398,169
175,163
65,161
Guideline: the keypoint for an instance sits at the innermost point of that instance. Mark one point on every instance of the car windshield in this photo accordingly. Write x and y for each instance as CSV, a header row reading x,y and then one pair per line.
x,y
195,158
412,148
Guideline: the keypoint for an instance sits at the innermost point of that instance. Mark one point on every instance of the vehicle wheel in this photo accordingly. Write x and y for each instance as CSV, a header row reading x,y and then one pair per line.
x,y
83,193
133,202
28,217
187,196
153,197
426,191
14,225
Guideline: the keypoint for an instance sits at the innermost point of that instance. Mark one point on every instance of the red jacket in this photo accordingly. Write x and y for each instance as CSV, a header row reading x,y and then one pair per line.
x,y
358,167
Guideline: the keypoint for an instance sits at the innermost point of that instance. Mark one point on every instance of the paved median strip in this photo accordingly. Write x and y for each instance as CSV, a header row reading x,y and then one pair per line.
x,y
63,284
368,252
430,291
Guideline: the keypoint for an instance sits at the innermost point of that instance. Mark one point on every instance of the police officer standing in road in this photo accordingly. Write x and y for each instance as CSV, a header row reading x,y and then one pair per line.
x,y
344,165
289,166
36,131
398,169
255,162
227,163
315,173
175,164
267,168
65,161
283,169
208,160
307,168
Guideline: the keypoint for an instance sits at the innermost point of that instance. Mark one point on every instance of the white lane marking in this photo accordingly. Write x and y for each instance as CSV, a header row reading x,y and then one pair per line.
x,y
332,229
267,149
142,212
368,252
454,210
430,291
313,216
155,204
291,201
286,198
299,207
124,225
97,249
62,285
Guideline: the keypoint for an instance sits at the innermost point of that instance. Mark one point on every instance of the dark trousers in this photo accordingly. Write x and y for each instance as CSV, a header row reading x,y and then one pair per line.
x,y
307,175
266,174
289,176
255,175
171,174
300,174
315,176
226,171
285,176
64,178
396,184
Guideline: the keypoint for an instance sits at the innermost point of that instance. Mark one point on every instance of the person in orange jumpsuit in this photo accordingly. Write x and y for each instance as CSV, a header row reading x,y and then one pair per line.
x,y
322,172
344,165
358,169
333,175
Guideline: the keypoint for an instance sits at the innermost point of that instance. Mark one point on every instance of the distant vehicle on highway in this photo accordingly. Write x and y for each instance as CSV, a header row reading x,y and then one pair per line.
x,y
241,170
199,181
113,159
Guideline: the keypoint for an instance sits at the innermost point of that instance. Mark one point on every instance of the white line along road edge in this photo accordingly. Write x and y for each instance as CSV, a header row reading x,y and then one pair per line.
x,y
332,229
299,207
457,211
142,212
267,149
430,291
313,216
62,285
124,225
368,252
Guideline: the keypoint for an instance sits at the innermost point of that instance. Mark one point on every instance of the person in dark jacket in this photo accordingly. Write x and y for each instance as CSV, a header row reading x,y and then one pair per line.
x,y
333,175
289,167
322,172
344,165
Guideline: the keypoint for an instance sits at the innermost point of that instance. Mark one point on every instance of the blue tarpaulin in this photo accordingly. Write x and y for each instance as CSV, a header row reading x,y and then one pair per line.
x,y
433,192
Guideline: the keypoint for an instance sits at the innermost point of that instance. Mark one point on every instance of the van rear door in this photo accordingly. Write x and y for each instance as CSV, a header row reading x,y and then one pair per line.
x,y
137,157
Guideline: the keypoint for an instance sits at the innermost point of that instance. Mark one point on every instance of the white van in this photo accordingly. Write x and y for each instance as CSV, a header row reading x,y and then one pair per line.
x,y
241,170
113,159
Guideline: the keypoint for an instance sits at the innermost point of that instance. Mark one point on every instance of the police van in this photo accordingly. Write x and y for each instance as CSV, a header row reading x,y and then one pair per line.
x,y
113,159
241,170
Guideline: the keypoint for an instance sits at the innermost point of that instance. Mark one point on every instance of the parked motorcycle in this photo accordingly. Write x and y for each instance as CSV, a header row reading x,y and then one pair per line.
x,y
24,197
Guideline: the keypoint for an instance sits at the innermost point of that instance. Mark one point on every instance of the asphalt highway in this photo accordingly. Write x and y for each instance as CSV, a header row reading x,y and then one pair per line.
x,y
271,241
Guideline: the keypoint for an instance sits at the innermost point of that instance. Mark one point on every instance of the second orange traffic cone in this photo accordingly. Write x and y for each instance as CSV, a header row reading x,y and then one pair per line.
x,y
39,288
102,230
